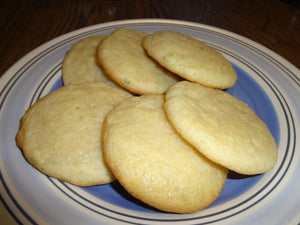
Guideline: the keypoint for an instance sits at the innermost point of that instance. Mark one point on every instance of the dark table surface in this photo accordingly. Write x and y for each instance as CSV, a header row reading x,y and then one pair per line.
x,y
24,25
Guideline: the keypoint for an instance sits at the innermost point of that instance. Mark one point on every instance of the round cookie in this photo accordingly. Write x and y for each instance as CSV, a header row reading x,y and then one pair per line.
x,y
123,58
153,163
221,127
190,59
60,134
80,64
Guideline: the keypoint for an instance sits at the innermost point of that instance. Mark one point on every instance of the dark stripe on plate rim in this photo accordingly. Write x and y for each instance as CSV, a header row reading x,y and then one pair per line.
x,y
38,92
47,78
7,207
264,55
198,27
148,23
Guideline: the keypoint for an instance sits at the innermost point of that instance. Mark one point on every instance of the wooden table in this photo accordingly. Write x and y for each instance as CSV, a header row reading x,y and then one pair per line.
x,y
24,25
27,24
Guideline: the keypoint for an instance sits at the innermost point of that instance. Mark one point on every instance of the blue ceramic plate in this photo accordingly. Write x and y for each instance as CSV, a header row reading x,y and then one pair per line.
x,y
266,82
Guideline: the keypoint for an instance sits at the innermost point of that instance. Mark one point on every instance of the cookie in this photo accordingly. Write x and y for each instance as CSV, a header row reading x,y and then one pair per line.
x,y
190,59
80,64
124,60
60,134
153,163
221,127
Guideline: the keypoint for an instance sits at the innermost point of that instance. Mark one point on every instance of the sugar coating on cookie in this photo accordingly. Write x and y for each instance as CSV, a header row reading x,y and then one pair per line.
x,y
221,127
80,64
153,163
123,58
60,134
190,58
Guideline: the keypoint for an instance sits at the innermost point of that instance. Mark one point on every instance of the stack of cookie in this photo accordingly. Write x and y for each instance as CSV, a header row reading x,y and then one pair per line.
x,y
148,110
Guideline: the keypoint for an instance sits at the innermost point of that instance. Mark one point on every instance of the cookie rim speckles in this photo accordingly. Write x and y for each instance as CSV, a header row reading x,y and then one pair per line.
x,y
190,58
60,133
124,60
221,127
153,163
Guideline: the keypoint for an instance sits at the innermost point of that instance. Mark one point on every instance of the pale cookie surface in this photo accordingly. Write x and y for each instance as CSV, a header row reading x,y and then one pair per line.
x,y
190,59
80,64
123,58
221,127
60,134
154,163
